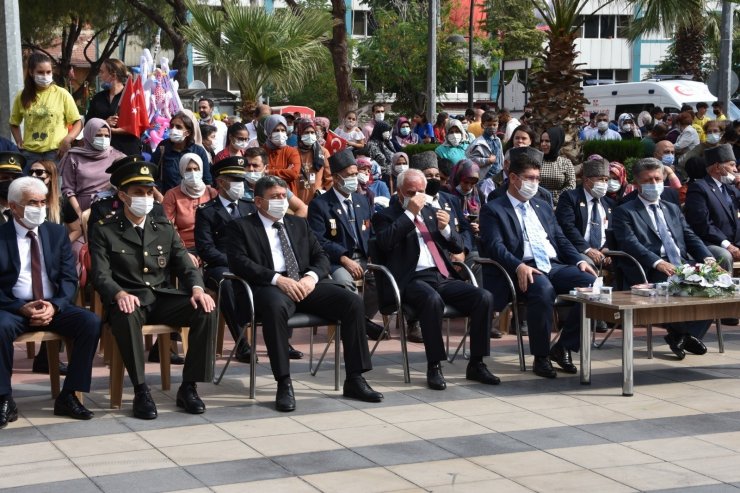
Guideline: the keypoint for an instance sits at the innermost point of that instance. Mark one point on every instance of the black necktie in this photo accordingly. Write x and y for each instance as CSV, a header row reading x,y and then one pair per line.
x,y
351,218
234,210
669,244
140,231
291,264
594,235
37,285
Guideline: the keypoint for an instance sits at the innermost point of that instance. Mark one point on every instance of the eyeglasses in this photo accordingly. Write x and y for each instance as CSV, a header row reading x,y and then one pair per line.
x,y
39,172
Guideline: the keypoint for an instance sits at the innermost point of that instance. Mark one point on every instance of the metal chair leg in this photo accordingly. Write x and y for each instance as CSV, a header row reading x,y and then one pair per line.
x,y
401,325
326,349
720,336
519,337
650,341
462,343
599,345
386,330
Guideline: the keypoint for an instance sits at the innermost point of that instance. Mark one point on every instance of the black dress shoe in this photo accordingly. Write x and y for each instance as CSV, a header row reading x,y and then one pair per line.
x,y
67,404
243,354
496,334
41,365
188,399
694,345
730,321
562,357
358,388
374,331
435,379
676,342
293,353
543,367
175,359
285,399
600,327
413,333
523,328
144,406
8,411
479,372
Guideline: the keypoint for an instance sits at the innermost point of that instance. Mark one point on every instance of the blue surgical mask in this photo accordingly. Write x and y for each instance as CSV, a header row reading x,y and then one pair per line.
x,y
713,138
651,191
668,159
105,86
405,131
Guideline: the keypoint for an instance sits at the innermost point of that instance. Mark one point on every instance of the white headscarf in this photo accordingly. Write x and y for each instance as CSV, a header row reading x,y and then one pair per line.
x,y
192,190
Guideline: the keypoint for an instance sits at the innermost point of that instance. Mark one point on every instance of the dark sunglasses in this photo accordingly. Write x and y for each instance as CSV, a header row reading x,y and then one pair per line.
x,y
38,172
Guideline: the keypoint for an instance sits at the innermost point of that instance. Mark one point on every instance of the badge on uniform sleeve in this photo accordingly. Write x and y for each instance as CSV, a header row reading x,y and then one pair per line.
x,y
582,204
162,261
447,207
333,227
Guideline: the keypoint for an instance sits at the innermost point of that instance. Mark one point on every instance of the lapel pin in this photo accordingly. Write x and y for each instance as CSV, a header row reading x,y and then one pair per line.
x,y
582,204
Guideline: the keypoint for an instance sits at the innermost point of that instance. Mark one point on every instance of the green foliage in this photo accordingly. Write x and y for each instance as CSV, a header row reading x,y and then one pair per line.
x,y
614,150
418,148
257,48
513,24
396,56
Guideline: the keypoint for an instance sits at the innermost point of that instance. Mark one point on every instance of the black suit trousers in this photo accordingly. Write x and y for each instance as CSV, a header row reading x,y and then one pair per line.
x,y
80,325
428,292
327,300
236,317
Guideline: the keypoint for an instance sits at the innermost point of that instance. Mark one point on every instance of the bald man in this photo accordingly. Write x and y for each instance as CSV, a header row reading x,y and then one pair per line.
x,y
665,152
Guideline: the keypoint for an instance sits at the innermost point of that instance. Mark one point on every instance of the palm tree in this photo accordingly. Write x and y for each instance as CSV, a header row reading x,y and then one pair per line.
x,y
556,93
257,48
690,22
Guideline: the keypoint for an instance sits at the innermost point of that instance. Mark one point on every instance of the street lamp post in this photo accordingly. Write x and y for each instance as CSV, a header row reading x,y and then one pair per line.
x,y
432,62
471,83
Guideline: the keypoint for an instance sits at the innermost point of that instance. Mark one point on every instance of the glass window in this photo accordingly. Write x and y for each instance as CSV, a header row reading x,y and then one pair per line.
x,y
219,80
370,24
591,26
358,23
608,24
623,22
201,73
622,75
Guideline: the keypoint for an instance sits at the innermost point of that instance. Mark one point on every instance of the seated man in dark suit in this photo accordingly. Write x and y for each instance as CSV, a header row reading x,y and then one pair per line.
x,y
281,258
500,190
340,219
521,233
415,241
713,206
211,219
656,234
584,214
38,283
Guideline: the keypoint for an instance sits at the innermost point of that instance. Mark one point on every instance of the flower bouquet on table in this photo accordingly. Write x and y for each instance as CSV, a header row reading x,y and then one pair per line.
x,y
708,280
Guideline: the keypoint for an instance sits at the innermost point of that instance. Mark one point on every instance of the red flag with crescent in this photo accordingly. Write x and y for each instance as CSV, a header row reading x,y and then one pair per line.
x,y
334,143
132,114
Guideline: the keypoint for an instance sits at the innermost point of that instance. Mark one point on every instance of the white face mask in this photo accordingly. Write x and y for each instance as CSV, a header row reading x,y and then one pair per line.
x,y
101,143
141,206
379,117
253,176
602,126
386,135
277,207
713,138
613,186
289,128
627,127
177,135
728,179
43,80
651,191
400,168
362,178
309,139
33,217
235,190
279,138
528,189
454,139
599,189
241,144
349,184
193,178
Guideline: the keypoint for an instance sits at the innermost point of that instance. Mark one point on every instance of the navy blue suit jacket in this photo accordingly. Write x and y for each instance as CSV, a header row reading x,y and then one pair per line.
x,y
709,214
211,240
502,241
329,222
636,235
572,215
58,261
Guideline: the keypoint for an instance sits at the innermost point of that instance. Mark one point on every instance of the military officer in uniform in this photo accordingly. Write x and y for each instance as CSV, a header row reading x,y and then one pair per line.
x,y
11,167
211,219
134,256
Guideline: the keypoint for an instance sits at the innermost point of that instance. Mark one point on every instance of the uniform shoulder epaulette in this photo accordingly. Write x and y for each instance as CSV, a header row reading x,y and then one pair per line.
x,y
210,203
110,218
160,220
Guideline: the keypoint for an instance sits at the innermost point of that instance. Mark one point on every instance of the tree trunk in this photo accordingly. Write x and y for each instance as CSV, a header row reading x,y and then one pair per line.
x,y
690,46
347,96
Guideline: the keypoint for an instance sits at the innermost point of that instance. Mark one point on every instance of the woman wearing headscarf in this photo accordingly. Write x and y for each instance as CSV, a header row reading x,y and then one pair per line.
x,y
315,172
455,143
462,182
184,137
627,127
557,173
403,135
83,168
180,203
283,161
615,188
364,165
380,147
399,164
323,125
375,182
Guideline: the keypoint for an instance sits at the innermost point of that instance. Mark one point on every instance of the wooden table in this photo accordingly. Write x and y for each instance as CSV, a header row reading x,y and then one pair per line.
x,y
629,310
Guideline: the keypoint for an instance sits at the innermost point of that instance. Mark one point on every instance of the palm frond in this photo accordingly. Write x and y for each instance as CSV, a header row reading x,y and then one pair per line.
x,y
654,15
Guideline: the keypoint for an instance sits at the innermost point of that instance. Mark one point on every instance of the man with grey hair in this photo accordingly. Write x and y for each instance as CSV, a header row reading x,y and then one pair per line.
x,y
38,283
414,242
657,235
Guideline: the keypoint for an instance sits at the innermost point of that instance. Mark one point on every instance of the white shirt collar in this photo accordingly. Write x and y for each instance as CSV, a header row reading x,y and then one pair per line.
x,y
22,231
266,221
140,225
341,197
647,204
515,201
226,202
589,197
719,183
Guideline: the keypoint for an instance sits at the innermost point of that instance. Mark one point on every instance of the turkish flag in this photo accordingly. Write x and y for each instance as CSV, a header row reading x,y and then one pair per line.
x,y
132,114
334,143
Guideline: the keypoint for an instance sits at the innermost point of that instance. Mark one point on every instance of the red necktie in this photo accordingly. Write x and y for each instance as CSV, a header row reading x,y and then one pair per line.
x,y
429,242
37,286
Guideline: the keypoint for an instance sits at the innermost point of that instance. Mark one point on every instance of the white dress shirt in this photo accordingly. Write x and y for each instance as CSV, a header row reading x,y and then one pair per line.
x,y
602,213
655,224
426,261
725,243
527,255
276,249
23,289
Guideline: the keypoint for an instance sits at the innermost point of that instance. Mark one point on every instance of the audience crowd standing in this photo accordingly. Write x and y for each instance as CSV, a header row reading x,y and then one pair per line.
x,y
274,202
